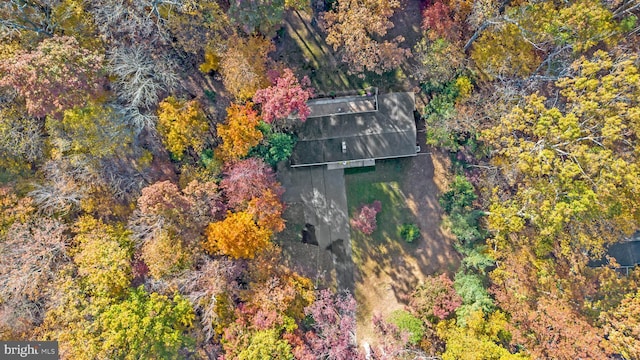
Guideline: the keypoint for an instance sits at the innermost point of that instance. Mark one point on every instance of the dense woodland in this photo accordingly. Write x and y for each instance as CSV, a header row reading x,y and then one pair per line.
x,y
138,198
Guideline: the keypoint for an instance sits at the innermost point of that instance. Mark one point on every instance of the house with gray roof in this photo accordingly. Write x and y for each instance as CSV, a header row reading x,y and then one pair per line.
x,y
355,131
626,253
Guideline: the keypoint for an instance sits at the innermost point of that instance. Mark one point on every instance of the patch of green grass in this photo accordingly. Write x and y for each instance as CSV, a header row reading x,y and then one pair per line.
x,y
384,170
394,210
383,184
359,170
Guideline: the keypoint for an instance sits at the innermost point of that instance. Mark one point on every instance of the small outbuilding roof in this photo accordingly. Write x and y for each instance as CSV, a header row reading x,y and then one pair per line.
x,y
626,253
365,128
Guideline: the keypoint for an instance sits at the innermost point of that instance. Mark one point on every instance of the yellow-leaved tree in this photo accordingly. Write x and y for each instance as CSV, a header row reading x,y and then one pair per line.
x,y
240,133
505,52
155,251
243,65
182,125
572,172
94,130
103,257
237,235
482,333
524,39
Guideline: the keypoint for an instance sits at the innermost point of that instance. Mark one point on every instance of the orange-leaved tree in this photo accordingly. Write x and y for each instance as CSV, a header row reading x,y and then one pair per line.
x,y
240,133
353,28
237,235
267,210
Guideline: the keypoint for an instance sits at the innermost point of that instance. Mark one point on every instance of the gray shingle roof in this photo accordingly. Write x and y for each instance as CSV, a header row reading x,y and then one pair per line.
x,y
388,132
626,252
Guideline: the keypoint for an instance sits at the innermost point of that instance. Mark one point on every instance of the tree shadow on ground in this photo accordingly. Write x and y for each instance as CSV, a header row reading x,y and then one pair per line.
x,y
302,41
388,268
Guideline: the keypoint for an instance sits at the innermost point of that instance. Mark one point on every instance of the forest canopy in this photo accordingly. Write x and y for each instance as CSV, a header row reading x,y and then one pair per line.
x,y
143,145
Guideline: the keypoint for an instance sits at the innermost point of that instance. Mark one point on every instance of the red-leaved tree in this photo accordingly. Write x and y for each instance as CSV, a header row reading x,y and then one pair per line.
x,y
286,97
248,179
57,75
392,342
437,18
365,219
435,299
334,326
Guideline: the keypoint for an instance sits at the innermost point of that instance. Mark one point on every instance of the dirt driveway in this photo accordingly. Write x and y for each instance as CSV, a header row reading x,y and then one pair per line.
x,y
387,268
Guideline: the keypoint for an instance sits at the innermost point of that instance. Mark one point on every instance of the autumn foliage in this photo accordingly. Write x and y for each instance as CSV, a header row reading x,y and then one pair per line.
x,y
251,185
267,210
572,165
101,258
88,130
34,250
182,124
543,335
170,220
237,235
437,18
435,299
505,52
154,253
248,179
286,97
622,326
131,228
334,325
57,75
244,65
163,199
352,28
481,337
240,133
